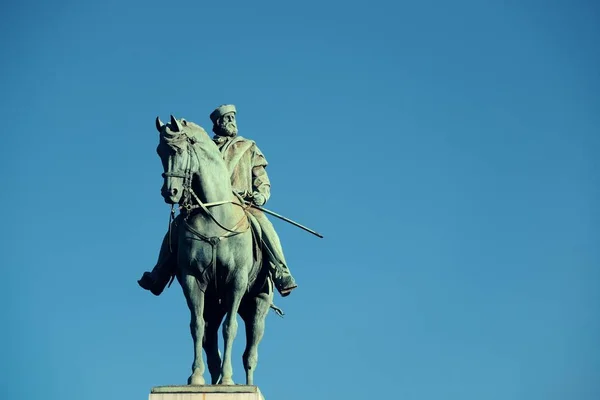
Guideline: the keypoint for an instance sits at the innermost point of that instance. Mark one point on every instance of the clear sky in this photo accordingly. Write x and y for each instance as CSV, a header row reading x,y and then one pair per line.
x,y
447,150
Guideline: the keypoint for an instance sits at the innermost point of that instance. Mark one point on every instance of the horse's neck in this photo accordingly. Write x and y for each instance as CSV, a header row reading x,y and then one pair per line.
x,y
212,183
212,180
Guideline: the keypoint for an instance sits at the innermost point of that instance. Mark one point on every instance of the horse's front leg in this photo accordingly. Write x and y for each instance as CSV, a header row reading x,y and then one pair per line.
x,y
195,300
212,320
236,290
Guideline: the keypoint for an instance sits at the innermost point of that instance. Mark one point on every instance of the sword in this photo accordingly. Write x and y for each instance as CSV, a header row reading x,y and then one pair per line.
x,y
283,218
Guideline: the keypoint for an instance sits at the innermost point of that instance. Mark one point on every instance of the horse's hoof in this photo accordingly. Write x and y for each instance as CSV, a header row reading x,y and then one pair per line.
x,y
196,380
227,381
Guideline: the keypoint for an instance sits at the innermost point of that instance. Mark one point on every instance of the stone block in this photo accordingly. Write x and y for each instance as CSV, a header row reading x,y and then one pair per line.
x,y
206,392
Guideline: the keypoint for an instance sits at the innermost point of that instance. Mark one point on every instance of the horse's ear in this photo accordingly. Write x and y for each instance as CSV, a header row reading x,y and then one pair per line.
x,y
175,124
159,124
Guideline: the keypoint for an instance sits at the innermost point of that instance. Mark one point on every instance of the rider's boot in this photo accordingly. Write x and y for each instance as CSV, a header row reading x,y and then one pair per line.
x,y
156,280
282,277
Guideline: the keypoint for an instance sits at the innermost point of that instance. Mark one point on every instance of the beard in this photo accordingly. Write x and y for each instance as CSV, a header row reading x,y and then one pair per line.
x,y
229,129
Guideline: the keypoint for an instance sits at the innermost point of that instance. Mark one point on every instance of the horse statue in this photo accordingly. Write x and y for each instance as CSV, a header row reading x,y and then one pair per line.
x,y
218,251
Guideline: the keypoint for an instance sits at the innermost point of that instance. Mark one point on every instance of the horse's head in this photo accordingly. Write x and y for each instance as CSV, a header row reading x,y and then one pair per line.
x,y
175,149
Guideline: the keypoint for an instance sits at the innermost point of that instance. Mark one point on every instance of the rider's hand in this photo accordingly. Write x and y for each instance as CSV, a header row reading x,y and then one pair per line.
x,y
245,195
258,198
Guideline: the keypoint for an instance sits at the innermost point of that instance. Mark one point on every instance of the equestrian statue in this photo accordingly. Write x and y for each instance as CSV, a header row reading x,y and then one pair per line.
x,y
221,247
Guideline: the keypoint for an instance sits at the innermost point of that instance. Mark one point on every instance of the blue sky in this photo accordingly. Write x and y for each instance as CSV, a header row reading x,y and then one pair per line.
x,y
447,151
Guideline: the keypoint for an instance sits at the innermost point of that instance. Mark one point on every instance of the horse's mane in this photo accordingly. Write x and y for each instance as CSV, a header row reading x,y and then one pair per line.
x,y
176,139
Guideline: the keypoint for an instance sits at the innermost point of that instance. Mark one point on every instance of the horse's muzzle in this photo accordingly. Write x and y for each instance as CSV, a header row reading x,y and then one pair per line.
x,y
171,196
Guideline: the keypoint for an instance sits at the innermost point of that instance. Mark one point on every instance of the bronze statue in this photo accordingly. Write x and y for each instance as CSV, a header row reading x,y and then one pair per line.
x,y
221,247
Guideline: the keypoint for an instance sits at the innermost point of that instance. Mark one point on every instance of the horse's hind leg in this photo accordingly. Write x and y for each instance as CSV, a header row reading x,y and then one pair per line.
x,y
213,315
195,300
236,290
254,313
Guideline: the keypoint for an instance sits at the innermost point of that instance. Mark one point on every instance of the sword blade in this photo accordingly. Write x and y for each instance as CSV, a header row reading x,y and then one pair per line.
x,y
284,219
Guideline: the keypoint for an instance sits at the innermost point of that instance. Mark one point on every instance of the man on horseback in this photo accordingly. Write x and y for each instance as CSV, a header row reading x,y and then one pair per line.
x,y
249,178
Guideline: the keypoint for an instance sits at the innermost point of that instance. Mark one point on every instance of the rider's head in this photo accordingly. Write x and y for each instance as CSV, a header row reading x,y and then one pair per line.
x,y
223,119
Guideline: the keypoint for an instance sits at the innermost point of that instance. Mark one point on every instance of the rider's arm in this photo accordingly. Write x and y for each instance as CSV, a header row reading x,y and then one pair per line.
x,y
260,179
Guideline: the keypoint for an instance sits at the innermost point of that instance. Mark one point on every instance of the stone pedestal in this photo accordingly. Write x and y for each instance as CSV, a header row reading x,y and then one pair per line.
x,y
206,392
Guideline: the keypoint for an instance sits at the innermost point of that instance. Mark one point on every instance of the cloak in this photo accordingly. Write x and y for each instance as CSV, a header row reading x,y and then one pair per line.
x,y
246,164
